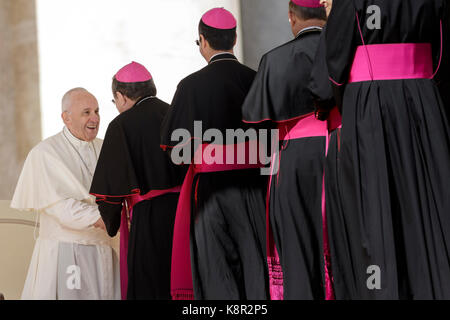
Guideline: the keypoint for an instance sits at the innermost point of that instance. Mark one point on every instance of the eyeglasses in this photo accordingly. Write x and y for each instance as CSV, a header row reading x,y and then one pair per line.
x,y
113,101
197,42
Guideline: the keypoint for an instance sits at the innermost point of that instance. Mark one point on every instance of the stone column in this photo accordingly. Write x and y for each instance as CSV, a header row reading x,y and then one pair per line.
x,y
265,26
20,122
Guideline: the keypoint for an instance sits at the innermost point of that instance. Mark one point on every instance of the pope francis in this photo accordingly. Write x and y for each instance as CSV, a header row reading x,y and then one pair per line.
x,y
73,257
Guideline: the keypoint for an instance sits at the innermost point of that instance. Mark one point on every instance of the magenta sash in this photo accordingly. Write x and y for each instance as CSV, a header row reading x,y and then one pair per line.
x,y
307,126
129,203
181,273
392,62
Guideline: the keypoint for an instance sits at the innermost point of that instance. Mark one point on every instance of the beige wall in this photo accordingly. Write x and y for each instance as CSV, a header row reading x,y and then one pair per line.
x,y
20,123
17,234
16,248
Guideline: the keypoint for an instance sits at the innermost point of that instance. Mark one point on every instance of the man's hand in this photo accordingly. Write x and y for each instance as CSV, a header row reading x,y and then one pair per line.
x,y
100,224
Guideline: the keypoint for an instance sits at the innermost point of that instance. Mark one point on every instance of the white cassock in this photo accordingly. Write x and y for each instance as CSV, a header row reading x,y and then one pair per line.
x,y
71,258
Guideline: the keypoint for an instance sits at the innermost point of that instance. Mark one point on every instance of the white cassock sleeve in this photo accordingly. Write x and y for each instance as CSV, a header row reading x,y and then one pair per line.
x,y
74,214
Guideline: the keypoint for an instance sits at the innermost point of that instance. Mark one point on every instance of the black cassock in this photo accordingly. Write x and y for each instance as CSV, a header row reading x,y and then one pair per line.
x,y
391,238
443,78
131,161
227,214
280,95
325,102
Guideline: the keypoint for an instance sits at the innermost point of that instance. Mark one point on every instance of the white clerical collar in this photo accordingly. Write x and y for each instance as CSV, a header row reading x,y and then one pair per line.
x,y
217,54
74,140
306,29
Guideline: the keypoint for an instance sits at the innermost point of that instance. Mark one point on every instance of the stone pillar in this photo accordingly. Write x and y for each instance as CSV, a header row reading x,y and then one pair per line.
x,y
20,122
265,26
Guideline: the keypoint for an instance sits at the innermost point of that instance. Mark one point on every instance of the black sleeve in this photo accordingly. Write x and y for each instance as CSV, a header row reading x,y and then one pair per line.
x,y
280,90
180,115
114,175
443,76
258,103
341,33
441,43
111,214
446,40
320,84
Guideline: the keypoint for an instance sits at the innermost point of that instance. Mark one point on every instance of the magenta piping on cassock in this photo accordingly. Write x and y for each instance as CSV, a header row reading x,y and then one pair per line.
x,y
337,84
442,51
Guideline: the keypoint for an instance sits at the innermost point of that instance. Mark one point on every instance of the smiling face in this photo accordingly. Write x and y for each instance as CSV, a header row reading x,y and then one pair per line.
x,y
82,115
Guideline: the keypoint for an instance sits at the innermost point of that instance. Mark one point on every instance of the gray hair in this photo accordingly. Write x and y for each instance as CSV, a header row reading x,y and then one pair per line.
x,y
66,100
